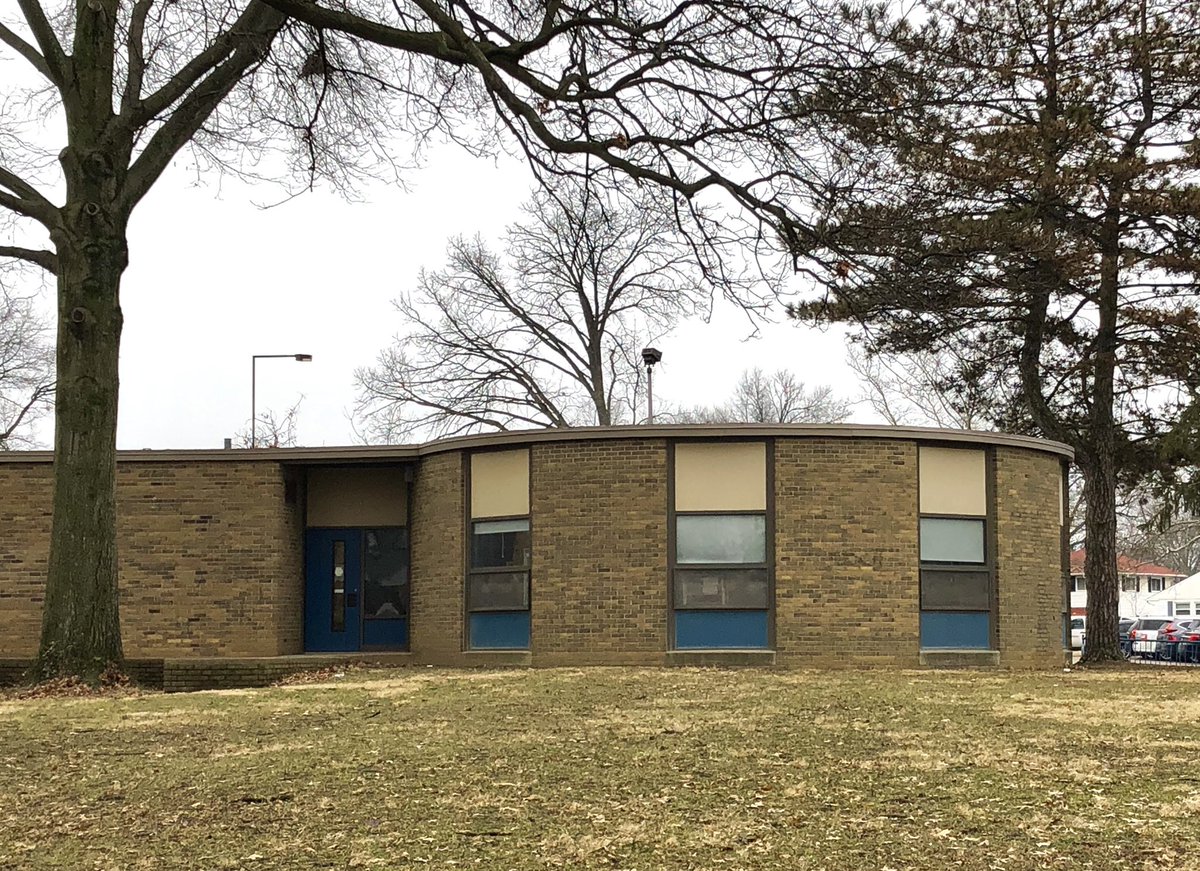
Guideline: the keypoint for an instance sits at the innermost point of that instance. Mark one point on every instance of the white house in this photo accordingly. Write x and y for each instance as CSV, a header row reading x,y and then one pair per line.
x,y
1142,585
1179,600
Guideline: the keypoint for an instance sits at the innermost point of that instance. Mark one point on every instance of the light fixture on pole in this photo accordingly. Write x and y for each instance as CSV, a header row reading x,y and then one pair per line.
x,y
300,358
650,356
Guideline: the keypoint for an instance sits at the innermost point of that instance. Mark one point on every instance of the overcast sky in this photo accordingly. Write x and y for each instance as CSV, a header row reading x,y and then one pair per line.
x,y
215,278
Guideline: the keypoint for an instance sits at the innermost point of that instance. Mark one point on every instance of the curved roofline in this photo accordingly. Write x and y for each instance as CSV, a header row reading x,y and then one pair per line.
x,y
376,453
743,430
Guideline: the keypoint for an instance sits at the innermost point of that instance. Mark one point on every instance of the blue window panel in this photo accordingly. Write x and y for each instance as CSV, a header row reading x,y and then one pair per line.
x,y
501,630
726,630
956,629
386,633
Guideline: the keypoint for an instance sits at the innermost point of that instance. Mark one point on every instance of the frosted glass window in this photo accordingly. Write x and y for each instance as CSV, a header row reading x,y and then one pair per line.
x,y
720,538
951,540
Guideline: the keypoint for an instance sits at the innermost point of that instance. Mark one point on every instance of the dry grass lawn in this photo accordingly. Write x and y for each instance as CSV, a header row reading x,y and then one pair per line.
x,y
615,769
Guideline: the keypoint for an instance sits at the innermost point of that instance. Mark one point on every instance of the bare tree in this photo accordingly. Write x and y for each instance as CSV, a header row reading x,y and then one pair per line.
x,y
26,369
271,430
685,97
547,335
921,388
777,398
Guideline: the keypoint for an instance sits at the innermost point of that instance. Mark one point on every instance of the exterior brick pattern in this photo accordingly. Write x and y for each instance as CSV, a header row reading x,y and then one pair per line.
x,y
846,578
1029,571
207,554
25,498
438,559
599,571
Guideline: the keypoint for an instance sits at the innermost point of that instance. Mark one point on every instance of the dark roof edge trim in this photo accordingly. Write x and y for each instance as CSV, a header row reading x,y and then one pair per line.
x,y
354,454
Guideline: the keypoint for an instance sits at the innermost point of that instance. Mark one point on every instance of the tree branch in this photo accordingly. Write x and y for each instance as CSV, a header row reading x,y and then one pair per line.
x,y
26,51
53,55
25,199
429,44
136,57
249,28
48,260
197,106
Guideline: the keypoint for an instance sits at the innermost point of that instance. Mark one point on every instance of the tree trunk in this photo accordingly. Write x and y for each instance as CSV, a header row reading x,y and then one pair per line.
x,y
81,630
1100,464
1100,566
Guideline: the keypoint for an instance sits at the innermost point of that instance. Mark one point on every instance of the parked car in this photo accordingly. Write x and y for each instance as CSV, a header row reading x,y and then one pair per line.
x,y
1188,649
1123,627
1078,631
1173,637
1143,636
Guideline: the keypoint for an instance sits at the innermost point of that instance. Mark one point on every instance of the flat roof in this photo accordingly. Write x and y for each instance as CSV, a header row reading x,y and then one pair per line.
x,y
375,454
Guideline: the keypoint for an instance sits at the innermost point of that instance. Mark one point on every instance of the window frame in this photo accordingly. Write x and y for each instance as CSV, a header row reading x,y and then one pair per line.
x,y
484,571
674,567
986,568
468,529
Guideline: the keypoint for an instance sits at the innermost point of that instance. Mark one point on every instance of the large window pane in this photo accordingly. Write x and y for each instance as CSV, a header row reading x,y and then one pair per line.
x,y
498,591
955,591
951,540
737,630
720,538
500,544
500,630
723,588
956,630
385,573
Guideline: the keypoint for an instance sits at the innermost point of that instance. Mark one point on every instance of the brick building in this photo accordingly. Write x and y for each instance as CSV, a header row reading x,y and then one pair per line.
x,y
795,545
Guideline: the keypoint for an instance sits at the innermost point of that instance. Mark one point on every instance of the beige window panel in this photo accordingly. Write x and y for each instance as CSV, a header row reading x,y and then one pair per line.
x,y
721,476
500,484
953,481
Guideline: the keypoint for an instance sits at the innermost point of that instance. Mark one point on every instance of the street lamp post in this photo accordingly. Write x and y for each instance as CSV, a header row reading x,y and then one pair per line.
x,y
650,356
301,358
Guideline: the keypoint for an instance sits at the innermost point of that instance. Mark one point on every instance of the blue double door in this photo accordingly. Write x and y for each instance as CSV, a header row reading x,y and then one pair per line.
x,y
356,593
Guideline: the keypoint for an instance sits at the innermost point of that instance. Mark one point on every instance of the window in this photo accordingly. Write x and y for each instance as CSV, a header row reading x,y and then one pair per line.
x,y
1156,585
385,588
498,583
722,588
500,552
1078,584
957,592
951,540
721,538
500,544
385,574
720,575
721,563
1183,609
1129,584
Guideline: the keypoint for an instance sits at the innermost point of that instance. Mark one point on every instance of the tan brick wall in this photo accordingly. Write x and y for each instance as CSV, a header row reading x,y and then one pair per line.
x,y
599,571
846,544
209,557
25,497
1028,558
438,559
